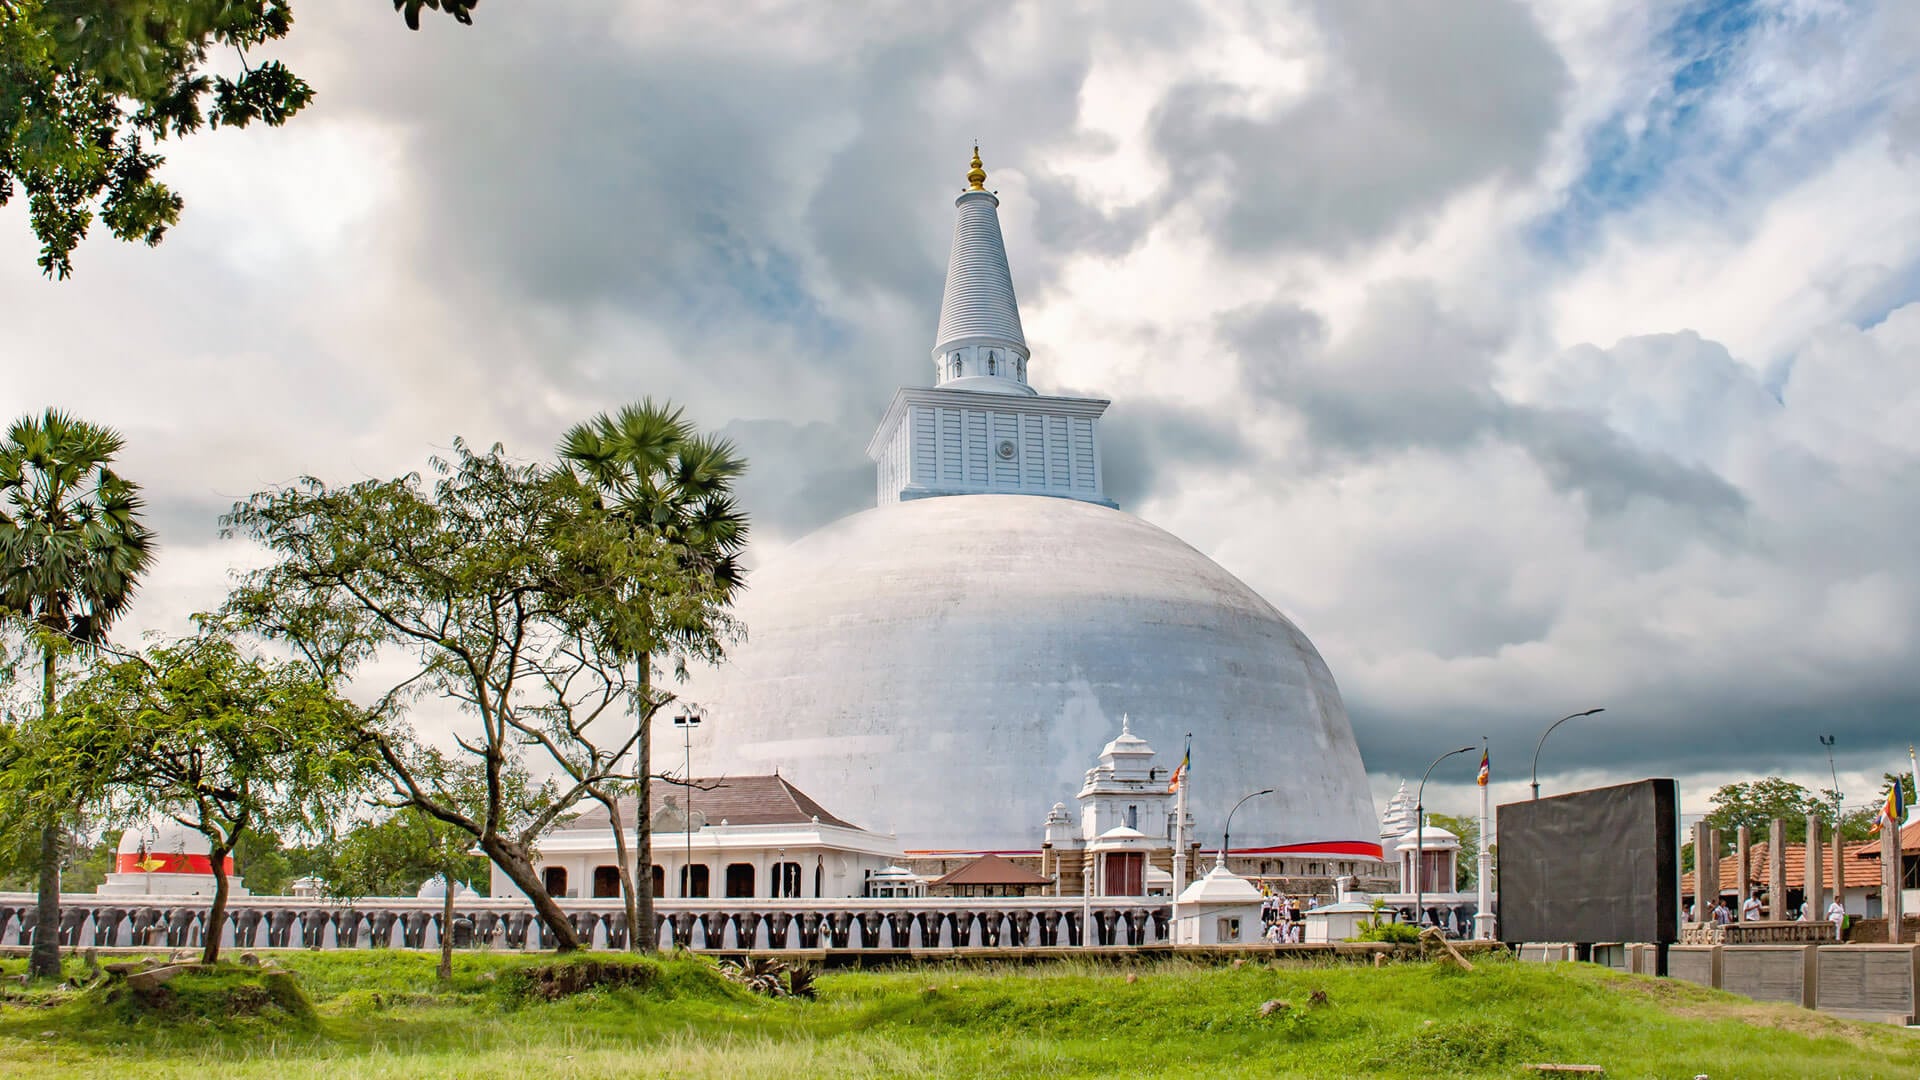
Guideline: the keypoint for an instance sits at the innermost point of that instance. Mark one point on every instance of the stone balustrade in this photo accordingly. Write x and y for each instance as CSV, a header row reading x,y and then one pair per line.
x,y
1757,933
718,925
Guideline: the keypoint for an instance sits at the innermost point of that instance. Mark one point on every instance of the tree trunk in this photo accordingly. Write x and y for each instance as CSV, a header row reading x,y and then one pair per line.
x,y
642,933
513,862
446,929
45,960
627,890
217,914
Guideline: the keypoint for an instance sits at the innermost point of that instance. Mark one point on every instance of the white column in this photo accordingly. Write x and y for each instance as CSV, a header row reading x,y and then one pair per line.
x,y
1483,920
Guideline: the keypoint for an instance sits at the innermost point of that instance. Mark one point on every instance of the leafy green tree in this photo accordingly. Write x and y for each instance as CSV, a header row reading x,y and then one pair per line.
x,y
221,741
493,588
271,866
660,478
91,85
72,551
1755,803
396,855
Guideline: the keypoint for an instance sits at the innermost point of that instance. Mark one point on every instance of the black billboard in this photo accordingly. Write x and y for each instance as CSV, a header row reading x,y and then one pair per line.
x,y
1599,865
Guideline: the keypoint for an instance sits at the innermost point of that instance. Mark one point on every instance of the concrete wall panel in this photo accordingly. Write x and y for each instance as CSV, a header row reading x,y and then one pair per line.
x,y
1695,963
1784,973
1869,982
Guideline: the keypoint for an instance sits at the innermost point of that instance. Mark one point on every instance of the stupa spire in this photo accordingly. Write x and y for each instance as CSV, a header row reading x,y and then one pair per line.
x,y
979,344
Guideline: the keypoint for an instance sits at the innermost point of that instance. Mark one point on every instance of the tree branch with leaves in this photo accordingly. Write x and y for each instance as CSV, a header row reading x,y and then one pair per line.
x,y
492,587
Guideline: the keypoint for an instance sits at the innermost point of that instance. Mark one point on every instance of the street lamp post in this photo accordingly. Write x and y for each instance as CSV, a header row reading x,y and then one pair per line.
x,y
1420,838
1543,742
686,722
1827,741
1226,834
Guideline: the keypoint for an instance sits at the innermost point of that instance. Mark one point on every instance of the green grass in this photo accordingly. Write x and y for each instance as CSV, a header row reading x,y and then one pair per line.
x,y
384,1015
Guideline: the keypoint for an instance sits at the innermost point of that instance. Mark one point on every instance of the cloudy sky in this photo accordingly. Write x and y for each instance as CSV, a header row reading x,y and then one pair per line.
x,y
1532,358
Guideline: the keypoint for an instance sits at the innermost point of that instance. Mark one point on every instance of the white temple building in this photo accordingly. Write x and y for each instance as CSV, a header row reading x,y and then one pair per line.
x,y
730,836
1121,841
938,665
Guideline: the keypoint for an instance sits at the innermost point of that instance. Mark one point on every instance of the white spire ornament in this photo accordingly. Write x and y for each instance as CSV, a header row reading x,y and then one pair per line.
x,y
980,345
980,429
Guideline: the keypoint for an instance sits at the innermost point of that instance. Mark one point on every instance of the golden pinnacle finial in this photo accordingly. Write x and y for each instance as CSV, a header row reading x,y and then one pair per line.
x,y
976,176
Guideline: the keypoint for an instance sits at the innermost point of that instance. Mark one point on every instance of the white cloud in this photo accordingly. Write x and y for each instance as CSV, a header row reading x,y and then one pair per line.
x,y
1497,471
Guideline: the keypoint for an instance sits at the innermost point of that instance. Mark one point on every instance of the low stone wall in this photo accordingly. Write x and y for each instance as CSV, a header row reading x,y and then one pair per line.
x,y
1756,933
1538,952
1874,931
1862,982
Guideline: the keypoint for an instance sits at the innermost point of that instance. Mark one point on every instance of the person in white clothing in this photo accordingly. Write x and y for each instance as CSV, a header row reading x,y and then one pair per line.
x,y
1837,915
1750,911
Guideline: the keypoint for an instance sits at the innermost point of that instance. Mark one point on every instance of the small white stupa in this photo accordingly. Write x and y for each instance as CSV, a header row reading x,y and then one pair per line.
x,y
166,858
1222,908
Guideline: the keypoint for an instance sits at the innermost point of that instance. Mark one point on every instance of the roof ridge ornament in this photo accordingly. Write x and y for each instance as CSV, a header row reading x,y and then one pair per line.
x,y
977,174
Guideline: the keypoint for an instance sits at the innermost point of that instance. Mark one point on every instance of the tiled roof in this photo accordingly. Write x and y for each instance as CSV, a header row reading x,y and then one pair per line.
x,y
737,800
993,870
1862,867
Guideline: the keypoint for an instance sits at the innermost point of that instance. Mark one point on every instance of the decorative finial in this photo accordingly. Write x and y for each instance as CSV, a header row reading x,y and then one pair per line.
x,y
1126,725
977,176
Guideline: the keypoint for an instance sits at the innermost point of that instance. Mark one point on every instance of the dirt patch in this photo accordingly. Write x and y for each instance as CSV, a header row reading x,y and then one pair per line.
x,y
551,982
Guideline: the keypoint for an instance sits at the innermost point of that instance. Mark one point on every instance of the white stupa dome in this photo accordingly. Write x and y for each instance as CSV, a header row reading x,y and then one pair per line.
x,y
944,667
1431,838
435,888
163,837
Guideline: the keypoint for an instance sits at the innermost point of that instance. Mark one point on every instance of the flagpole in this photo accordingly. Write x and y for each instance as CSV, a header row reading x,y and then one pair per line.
x,y
1483,918
1180,824
1913,763
1180,833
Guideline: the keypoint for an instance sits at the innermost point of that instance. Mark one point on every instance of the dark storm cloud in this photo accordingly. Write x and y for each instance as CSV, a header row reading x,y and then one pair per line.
x,y
800,476
1411,374
1416,102
1146,445
722,188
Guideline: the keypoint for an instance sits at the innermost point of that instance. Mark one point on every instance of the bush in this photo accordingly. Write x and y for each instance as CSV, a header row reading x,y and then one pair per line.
x,y
1396,932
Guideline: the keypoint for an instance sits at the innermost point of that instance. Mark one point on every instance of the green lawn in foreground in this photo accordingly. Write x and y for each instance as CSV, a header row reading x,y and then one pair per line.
x,y
382,1015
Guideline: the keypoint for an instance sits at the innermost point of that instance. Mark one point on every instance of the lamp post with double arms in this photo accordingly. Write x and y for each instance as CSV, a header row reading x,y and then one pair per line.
x,y
1226,834
686,722
1420,839
1543,742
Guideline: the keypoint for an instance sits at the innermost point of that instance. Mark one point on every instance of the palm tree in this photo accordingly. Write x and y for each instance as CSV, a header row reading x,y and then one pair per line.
x,y
648,466
72,549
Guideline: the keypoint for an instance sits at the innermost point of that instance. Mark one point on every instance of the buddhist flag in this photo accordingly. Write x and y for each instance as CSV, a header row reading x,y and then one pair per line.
x,y
1482,781
1180,770
1895,810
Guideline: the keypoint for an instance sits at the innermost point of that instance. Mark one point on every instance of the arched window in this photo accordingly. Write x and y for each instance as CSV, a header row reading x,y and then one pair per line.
x,y
740,880
555,879
606,881
693,880
819,879
659,881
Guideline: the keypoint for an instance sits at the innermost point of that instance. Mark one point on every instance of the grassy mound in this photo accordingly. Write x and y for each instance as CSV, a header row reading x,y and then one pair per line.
x,y
685,978
224,996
